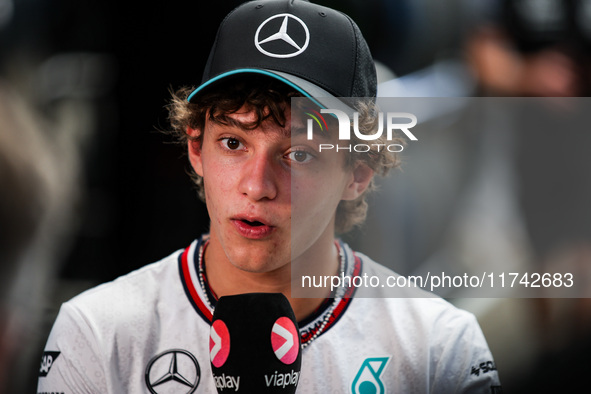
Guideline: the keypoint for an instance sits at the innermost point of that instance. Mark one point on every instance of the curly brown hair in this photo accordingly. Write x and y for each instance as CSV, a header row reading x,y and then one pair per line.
x,y
269,99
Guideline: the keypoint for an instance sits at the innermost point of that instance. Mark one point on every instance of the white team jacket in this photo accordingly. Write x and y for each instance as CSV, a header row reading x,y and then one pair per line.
x,y
148,332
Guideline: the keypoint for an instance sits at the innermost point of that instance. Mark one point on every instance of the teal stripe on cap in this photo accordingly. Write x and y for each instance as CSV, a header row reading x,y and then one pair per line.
x,y
254,71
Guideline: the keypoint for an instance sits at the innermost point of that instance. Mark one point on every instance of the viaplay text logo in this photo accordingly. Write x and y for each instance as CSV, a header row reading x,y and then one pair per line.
x,y
402,121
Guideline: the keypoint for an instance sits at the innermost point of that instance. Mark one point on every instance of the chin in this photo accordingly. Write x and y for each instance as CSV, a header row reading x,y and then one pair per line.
x,y
260,267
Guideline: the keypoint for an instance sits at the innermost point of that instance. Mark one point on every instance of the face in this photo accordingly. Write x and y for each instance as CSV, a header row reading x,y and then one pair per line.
x,y
268,193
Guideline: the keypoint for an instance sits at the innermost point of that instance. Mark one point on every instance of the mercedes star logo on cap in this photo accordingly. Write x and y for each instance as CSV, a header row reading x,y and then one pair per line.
x,y
290,45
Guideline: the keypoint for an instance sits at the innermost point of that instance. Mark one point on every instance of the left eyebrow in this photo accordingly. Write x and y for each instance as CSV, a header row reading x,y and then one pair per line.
x,y
298,131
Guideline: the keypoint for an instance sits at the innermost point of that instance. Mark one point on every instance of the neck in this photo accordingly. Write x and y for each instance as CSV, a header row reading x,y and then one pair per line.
x,y
225,278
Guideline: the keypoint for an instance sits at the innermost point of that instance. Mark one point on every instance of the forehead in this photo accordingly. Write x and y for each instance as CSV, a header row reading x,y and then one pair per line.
x,y
246,117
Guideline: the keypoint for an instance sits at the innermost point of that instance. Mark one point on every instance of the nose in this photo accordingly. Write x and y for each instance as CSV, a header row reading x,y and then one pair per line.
x,y
259,178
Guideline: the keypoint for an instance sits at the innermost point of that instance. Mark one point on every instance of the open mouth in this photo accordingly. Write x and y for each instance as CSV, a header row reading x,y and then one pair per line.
x,y
256,223
253,229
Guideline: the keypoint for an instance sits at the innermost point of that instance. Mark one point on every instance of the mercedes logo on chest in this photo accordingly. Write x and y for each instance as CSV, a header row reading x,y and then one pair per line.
x,y
282,36
174,370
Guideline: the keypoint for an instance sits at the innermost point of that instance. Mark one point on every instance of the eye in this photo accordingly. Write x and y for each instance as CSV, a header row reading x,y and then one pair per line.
x,y
232,143
300,156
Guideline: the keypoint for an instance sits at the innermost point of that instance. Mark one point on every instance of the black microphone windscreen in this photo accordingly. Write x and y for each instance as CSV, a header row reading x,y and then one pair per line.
x,y
255,344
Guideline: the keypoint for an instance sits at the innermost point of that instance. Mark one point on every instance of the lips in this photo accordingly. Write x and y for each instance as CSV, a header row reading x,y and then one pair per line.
x,y
252,228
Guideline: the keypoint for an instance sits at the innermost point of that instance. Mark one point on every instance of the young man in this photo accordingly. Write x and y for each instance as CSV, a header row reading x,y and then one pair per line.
x,y
274,202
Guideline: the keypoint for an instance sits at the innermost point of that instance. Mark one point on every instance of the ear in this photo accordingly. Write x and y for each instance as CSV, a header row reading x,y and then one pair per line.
x,y
194,148
359,181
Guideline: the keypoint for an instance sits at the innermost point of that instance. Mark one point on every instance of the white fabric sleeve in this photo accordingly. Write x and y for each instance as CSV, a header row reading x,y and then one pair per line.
x,y
72,361
465,364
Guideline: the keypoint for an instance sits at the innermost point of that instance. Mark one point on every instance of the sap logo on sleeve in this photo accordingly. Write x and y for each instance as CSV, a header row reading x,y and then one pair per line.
x,y
47,361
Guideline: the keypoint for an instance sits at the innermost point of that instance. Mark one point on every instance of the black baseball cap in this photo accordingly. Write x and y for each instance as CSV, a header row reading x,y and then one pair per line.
x,y
318,51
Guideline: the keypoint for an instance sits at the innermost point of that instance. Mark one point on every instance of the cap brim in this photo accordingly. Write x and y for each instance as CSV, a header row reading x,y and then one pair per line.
x,y
316,94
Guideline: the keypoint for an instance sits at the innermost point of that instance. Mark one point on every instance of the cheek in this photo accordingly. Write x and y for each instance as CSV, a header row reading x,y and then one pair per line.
x,y
313,208
218,184
218,170
316,198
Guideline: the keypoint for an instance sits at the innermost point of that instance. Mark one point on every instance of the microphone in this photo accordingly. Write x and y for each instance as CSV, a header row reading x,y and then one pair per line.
x,y
254,344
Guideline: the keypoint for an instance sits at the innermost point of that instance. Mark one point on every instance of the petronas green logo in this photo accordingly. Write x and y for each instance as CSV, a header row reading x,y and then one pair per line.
x,y
367,380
